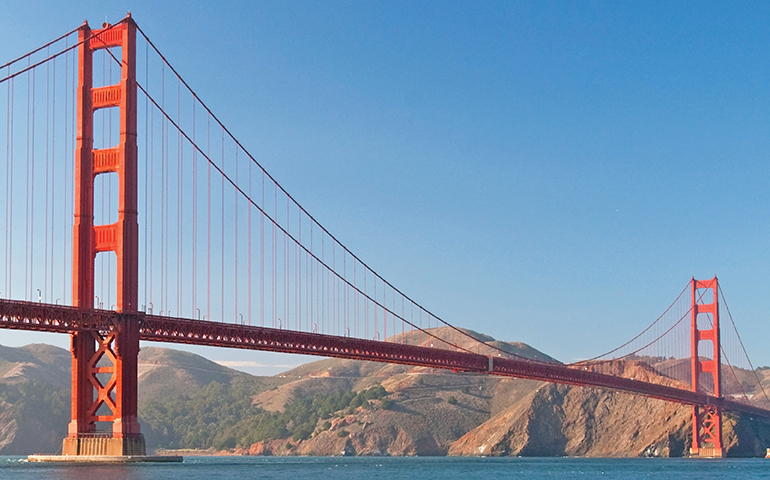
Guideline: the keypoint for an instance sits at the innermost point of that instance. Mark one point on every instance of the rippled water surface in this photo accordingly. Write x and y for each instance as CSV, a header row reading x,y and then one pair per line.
x,y
360,468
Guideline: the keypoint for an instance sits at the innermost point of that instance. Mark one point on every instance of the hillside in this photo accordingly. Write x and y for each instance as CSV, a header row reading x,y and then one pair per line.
x,y
346,407
34,398
439,413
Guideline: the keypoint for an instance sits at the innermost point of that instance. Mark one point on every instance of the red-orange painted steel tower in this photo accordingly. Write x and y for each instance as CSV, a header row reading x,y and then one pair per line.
x,y
113,354
706,419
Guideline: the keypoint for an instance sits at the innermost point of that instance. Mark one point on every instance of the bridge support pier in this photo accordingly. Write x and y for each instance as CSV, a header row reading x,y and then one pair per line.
x,y
707,430
104,377
704,327
104,364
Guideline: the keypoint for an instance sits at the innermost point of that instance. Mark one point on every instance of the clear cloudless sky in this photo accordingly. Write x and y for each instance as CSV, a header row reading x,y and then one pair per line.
x,y
546,172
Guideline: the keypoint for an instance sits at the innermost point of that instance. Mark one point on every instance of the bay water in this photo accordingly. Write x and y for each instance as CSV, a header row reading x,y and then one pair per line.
x,y
395,468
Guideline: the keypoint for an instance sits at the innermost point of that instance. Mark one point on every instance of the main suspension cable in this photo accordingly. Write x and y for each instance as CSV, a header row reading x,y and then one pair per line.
x,y
232,183
641,333
56,55
303,210
740,341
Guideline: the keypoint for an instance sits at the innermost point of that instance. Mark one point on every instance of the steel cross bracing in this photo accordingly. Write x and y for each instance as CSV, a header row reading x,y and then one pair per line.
x,y
63,319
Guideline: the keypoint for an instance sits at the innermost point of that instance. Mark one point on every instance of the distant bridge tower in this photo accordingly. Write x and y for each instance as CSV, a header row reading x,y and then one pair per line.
x,y
706,419
104,365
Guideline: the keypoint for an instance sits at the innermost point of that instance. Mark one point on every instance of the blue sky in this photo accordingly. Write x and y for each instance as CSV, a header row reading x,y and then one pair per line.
x,y
547,172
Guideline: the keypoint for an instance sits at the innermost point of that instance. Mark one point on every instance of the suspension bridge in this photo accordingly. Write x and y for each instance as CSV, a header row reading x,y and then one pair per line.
x,y
132,213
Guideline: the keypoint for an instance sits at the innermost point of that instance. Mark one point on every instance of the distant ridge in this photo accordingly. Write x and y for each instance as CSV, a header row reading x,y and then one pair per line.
x,y
188,401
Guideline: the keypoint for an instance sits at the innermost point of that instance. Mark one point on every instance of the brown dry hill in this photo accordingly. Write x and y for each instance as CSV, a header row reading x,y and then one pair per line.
x,y
436,413
34,398
559,420
425,411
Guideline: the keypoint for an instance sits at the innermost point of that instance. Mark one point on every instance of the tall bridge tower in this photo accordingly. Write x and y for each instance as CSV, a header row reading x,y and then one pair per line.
x,y
104,364
704,327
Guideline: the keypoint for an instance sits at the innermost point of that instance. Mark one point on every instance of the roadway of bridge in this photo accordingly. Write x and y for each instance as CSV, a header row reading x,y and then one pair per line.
x,y
43,317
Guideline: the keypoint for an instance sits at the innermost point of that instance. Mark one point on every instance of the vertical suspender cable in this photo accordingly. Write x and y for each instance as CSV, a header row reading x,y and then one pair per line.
x,y
65,179
26,186
262,258
179,187
32,191
355,298
275,257
421,330
299,271
412,338
374,311
151,213
146,175
69,158
402,316
311,290
286,269
208,219
73,140
47,166
235,241
222,298
297,283
322,286
282,295
304,260
51,294
366,309
384,313
30,184
250,231
9,189
194,217
393,317
163,223
166,212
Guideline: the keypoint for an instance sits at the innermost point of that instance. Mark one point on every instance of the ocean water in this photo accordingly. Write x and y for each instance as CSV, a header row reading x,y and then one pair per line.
x,y
392,468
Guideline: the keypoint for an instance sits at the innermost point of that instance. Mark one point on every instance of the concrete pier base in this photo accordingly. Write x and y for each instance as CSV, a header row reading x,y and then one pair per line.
x,y
104,445
103,458
104,448
707,453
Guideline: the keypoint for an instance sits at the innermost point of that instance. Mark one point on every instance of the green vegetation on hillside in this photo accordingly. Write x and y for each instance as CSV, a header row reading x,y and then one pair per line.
x,y
38,407
222,416
29,399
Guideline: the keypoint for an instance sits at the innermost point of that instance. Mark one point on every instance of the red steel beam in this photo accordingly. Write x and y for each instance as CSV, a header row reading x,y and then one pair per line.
x,y
63,319
197,332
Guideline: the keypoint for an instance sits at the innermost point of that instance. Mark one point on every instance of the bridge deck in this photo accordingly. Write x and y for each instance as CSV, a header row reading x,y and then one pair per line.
x,y
64,319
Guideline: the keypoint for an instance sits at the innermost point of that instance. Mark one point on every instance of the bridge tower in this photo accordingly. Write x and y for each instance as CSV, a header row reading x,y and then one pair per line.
x,y
706,419
104,364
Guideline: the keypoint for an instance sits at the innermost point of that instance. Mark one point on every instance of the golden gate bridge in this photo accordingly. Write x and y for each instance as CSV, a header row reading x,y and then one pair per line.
x,y
132,213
